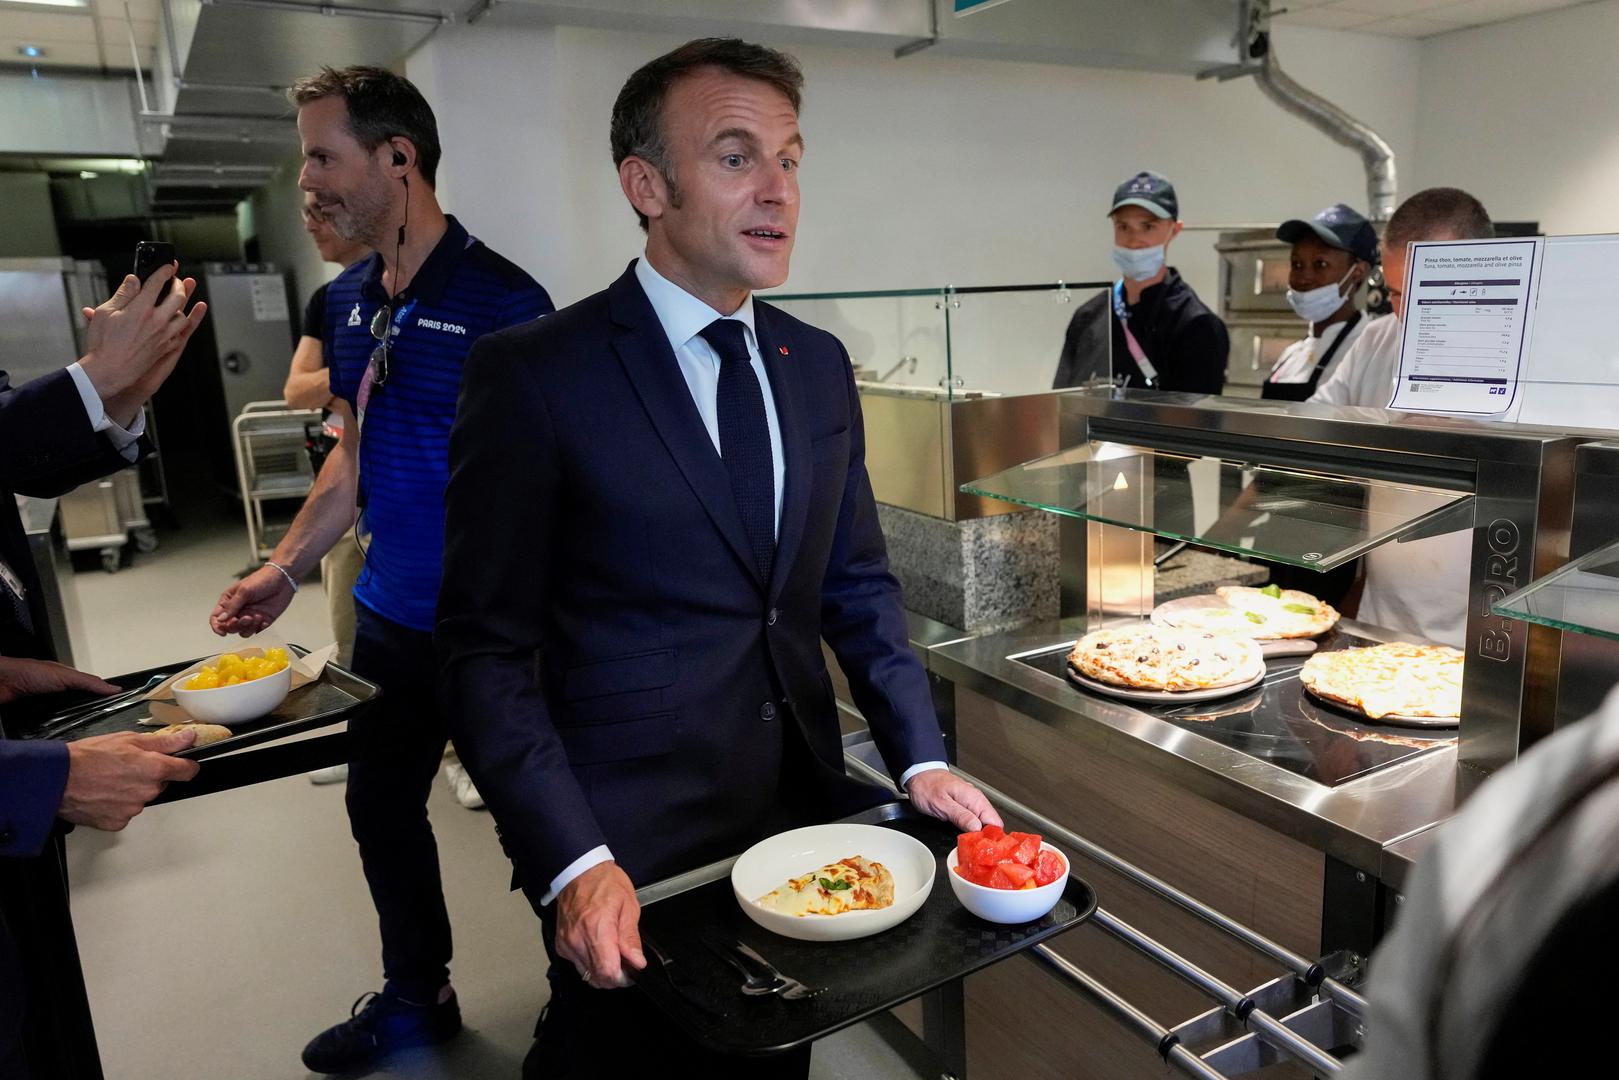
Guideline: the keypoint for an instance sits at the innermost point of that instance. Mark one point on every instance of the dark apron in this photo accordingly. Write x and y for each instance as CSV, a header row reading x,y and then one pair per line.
x,y
1301,391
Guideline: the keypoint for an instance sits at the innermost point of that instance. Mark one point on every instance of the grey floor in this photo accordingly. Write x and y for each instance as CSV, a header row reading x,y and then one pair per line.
x,y
219,934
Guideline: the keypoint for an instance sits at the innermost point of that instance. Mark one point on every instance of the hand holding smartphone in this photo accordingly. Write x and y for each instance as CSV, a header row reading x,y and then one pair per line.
x,y
149,256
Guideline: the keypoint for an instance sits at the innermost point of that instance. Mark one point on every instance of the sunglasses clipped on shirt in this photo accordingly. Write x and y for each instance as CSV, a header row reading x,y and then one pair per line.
x,y
383,330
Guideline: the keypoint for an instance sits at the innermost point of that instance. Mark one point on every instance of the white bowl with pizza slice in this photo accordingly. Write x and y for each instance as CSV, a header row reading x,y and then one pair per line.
x,y
833,882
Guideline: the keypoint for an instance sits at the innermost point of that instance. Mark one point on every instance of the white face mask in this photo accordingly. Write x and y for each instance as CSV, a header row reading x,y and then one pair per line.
x,y
1139,264
1317,305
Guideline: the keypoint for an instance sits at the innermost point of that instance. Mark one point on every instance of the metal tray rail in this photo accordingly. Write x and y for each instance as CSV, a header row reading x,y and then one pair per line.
x,y
1317,1011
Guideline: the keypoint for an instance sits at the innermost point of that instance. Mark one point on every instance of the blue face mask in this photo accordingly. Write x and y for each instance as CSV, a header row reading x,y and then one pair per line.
x,y
1139,264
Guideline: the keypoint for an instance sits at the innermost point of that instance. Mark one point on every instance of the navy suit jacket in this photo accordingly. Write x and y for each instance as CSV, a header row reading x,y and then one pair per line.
x,y
615,668
47,448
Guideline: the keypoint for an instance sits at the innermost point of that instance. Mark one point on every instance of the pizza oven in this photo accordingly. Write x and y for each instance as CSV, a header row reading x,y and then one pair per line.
x,y
1254,268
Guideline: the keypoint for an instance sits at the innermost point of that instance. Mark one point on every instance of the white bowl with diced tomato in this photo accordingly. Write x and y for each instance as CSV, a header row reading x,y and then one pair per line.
x,y
1006,877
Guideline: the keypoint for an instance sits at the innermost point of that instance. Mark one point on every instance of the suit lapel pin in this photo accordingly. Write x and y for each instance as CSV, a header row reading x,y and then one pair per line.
x,y
782,349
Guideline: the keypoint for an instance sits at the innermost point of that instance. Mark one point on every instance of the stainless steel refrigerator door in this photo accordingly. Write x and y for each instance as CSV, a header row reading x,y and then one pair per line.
x,y
253,331
36,319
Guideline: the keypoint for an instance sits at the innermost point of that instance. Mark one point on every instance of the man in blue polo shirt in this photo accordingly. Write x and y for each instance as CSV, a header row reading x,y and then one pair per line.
x,y
399,325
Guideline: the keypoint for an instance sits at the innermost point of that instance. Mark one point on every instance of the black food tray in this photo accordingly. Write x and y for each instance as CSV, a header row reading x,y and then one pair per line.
x,y
943,941
329,700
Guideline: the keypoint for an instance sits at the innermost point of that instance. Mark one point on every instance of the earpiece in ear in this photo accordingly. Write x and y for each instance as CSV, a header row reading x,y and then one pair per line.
x,y
399,157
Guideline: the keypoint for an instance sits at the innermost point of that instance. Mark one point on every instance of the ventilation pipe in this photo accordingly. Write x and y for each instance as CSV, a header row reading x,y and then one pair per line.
x,y
1375,153
1260,62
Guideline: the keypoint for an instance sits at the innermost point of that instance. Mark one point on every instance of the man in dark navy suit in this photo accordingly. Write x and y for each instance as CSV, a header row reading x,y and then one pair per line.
x,y
56,432
658,507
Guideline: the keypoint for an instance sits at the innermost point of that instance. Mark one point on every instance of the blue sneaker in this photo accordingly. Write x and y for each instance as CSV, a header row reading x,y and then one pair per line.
x,y
384,1025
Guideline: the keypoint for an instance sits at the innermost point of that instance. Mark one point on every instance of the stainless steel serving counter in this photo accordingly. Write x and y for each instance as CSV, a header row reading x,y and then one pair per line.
x,y
1356,822
1399,859
1302,863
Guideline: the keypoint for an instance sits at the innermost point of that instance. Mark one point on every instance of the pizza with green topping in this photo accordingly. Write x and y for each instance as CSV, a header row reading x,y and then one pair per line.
x,y
1266,614
1280,613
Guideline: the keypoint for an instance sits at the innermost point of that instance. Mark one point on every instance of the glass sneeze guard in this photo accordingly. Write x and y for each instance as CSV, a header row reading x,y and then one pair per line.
x,y
1582,597
950,342
1312,520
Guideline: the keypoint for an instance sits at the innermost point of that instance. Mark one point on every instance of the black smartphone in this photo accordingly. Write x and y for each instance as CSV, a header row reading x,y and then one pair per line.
x,y
149,255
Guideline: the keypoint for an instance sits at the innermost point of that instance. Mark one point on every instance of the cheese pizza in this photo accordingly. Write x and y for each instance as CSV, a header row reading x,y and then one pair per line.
x,y
1397,679
853,884
1147,657
1267,614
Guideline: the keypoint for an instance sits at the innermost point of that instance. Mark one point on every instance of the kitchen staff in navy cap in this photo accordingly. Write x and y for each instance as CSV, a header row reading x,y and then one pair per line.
x,y
1332,255
1159,335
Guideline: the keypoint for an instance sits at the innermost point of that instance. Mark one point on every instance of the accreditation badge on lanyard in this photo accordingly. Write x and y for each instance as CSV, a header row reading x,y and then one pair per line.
x,y
1137,353
379,358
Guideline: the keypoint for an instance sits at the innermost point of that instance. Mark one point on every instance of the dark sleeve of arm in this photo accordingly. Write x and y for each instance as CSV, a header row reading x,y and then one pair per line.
x,y
863,620
499,521
315,315
47,447
33,776
1202,349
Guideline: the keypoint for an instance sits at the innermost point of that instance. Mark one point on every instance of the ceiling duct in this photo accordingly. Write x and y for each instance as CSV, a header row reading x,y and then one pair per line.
x,y
1260,62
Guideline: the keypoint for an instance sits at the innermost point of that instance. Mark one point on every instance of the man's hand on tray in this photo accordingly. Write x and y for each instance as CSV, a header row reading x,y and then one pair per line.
x,y
944,795
27,678
597,926
111,778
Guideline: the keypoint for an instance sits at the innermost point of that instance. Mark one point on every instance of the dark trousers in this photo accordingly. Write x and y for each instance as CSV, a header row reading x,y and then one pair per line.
x,y
395,750
12,1062
587,1034
45,1025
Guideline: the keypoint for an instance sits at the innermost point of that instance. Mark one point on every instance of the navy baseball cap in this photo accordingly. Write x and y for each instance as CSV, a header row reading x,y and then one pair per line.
x,y
1150,191
1337,226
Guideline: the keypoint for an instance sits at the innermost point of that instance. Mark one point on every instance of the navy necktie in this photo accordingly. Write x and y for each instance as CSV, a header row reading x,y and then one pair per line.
x,y
745,439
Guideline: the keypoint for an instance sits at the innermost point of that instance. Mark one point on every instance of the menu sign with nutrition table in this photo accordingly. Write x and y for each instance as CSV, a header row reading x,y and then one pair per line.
x,y
1469,309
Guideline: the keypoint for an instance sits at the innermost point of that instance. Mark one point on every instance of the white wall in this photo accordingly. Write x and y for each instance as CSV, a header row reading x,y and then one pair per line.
x,y
1523,115
926,171
919,171
501,100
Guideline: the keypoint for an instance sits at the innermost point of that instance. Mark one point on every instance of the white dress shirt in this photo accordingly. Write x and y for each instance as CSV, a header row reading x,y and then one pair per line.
x,y
684,317
123,441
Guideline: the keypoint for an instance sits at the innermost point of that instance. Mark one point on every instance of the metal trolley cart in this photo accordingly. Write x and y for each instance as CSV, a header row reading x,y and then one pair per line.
x,y
270,441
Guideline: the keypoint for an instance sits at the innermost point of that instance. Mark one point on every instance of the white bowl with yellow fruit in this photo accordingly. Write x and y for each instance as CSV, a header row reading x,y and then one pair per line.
x,y
233,688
